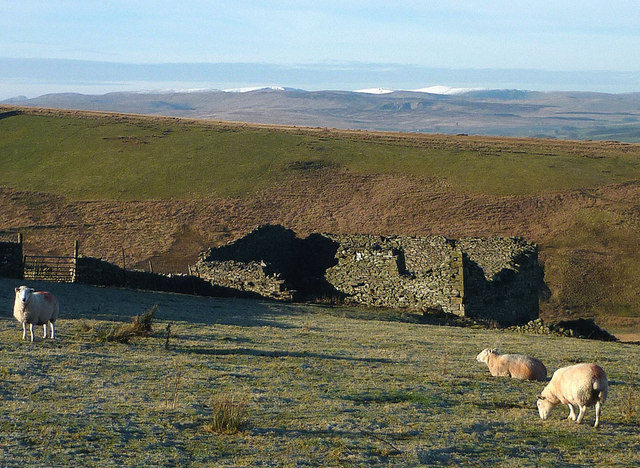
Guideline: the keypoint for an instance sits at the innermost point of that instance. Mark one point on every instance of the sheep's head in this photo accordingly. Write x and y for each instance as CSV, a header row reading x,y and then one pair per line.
x,y
544,406
484,354
23,294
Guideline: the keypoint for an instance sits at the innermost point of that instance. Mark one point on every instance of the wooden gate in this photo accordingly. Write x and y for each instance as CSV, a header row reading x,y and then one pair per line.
x,y
50,268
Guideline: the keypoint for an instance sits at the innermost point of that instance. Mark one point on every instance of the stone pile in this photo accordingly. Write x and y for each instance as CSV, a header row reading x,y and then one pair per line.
x,y
580,328
246,277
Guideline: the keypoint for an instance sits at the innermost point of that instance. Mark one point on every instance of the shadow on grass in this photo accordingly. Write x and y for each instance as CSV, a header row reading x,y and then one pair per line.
x,y
449,451
79,301
364,434
383,314
182,337
275,354
399,396
464,454
503,404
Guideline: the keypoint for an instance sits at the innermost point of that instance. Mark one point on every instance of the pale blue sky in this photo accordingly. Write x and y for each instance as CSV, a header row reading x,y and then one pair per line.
x,y
551,35
546,35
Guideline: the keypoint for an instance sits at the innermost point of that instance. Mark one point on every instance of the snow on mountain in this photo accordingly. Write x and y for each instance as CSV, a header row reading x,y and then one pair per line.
x,y
374,91
173,91
253,88
439,89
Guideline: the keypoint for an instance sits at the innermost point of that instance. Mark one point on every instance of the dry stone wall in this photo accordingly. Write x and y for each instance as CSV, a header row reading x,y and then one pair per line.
x,y
249,277
11,259
273,262
494,278
503,279
98,272
400,272
488,278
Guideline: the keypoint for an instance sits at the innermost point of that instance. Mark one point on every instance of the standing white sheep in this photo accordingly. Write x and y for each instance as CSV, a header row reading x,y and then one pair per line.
x,y
35,307
517,366
579,385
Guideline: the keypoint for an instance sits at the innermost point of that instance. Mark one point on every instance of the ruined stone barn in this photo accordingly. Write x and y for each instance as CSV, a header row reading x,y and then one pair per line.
x,y
488,278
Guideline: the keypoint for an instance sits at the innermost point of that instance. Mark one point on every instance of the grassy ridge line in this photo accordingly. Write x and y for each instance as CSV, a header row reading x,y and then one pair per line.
x,y
97,155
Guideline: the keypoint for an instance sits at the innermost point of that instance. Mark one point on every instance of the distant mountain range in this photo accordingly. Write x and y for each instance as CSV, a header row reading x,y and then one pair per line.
x,y
439,109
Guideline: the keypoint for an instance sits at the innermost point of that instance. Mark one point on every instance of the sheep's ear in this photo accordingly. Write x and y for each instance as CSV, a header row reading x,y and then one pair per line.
x,y
494,350
540,397
16,289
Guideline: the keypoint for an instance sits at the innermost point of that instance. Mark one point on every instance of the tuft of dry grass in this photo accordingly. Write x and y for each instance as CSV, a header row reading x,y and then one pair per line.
x,y
140,326
229,415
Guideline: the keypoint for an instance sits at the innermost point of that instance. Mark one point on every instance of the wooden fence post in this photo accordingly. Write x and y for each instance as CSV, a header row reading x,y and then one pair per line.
x,y
124,268
76,249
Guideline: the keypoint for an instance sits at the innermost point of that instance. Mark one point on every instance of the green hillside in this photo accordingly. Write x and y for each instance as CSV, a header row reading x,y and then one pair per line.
x,y
127,158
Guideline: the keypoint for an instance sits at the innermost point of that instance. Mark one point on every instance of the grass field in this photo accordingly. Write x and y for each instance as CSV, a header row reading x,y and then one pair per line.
x,y
118,157
321,387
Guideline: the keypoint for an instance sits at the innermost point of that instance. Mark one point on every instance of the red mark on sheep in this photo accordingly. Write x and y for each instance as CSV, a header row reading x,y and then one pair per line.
x,y
47,296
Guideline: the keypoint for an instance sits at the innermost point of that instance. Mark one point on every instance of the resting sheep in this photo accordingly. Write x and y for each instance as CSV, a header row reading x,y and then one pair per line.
x,y
517,366
35,307
579,385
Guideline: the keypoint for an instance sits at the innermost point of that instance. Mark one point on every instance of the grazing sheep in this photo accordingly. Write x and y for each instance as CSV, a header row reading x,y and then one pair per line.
x,y
516,366
579,385
37,308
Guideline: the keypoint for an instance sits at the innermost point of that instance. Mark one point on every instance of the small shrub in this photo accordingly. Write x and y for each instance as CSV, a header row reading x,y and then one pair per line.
x,y
114,333
140,326
229,415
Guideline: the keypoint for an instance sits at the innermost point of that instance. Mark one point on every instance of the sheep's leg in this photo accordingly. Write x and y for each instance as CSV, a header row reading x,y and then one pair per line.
x,y
572,414
24,331
583,409
597,414
31,330
44,335
53,331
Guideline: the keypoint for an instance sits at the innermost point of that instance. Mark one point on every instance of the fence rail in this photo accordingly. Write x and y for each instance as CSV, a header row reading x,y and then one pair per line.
x,y
50,268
